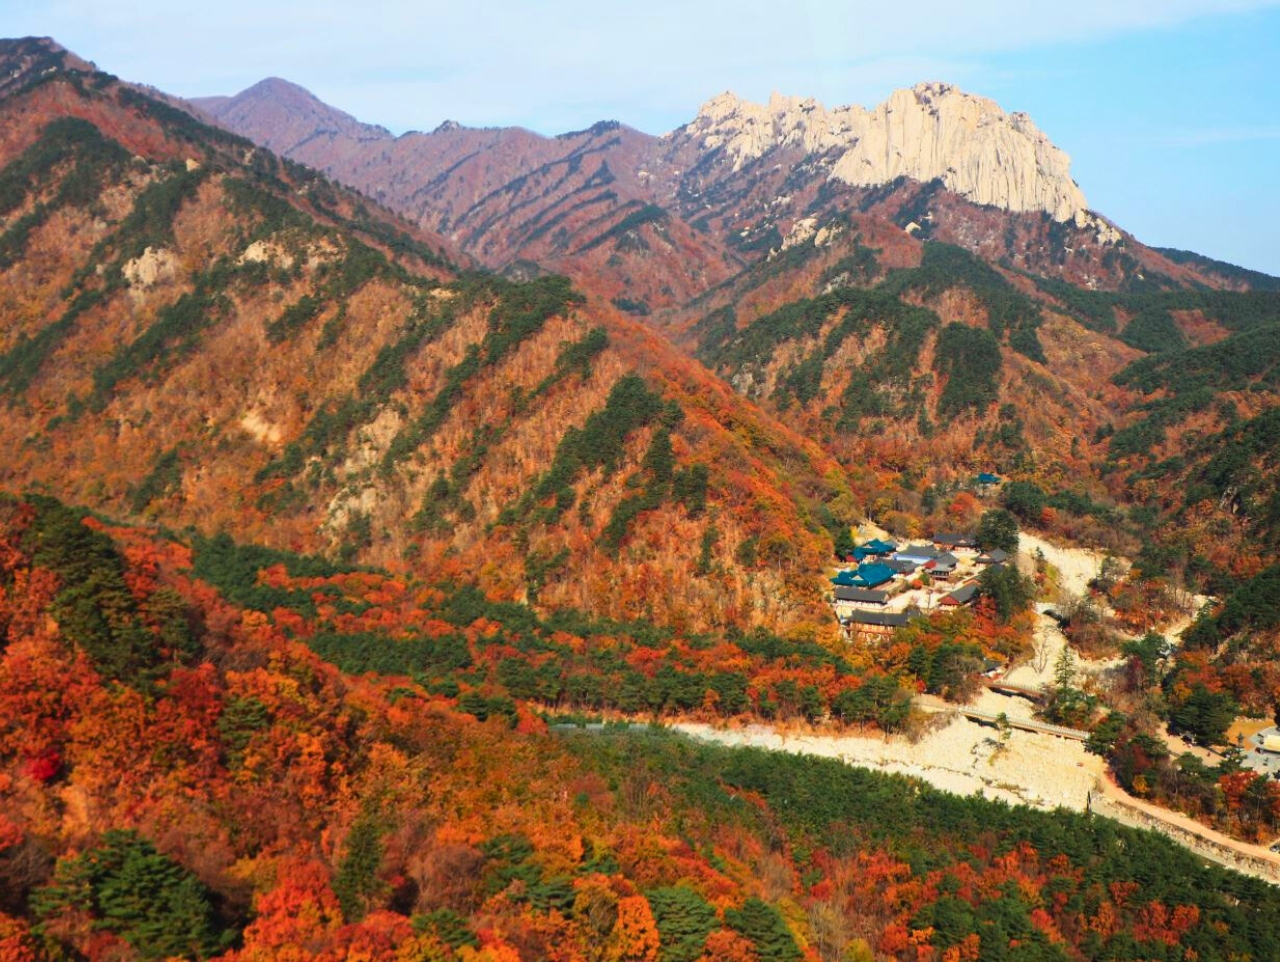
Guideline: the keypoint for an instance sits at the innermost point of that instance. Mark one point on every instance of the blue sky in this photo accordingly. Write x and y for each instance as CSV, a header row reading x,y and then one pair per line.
x,y
1170,109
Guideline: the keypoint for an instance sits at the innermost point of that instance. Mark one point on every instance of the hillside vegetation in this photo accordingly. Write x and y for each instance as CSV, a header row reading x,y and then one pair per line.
x,y
198,333
389,570
1124,410
166,735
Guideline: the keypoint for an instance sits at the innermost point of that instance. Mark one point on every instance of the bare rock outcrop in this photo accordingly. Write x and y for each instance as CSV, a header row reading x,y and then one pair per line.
x,y
931,131
155,265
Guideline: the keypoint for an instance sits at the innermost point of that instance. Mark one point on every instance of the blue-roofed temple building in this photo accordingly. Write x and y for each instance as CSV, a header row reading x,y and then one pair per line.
x,y
875,548
869,574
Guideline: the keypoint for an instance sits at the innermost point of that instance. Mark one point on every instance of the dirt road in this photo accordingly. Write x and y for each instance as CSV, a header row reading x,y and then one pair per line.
x,y
1256,860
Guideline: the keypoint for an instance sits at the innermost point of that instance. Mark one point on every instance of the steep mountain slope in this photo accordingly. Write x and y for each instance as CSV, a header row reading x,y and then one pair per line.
x,y
196,332
652,222
918,355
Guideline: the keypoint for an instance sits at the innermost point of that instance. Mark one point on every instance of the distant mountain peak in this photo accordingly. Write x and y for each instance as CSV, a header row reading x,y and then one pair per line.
x,y
281,114
933,130
279,85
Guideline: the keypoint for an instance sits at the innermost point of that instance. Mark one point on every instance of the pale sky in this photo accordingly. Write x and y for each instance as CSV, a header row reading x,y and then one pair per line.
x,y
1170,109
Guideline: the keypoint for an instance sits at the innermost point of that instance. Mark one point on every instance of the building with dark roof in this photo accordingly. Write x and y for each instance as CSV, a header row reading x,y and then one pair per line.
x,y
944,565
874,625
900,566
861,596
919,553
960,596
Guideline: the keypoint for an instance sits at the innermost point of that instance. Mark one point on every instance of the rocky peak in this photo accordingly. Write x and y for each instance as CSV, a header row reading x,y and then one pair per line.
x,y
748,130
930,131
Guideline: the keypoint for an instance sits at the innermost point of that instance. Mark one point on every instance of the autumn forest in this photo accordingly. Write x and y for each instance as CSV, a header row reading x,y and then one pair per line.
x,y
355,575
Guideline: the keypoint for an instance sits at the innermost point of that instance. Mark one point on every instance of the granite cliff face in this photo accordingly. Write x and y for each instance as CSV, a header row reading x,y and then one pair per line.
x,y
932,131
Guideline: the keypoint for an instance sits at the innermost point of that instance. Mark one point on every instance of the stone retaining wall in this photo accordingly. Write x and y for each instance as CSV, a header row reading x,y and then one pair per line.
x,y
1135,817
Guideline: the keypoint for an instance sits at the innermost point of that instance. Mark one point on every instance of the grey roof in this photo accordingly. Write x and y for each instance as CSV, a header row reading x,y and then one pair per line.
x,y
900,566
846,593
994,556
964,594
945,562
955,540
918,551
884,619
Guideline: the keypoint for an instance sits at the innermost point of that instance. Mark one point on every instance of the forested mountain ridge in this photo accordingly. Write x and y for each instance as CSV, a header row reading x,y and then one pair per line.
x,y
890,309
482,507
199,333
372,402
1143,406
580,203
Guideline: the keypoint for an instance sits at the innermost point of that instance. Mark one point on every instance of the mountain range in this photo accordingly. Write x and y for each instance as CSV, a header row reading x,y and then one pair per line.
x,y
798,253
342,472
729,187
202,334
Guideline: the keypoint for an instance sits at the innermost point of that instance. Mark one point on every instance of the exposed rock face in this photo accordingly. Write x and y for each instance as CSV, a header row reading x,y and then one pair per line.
x,y
153,266
932,131
747,131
